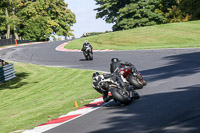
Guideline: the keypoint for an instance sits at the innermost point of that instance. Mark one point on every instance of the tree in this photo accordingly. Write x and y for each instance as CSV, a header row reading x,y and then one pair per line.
x,y
36,29
171,11
136,14
191,7
43,17
2,21
128,14
52,15
109,9
8,12
178,10
4,17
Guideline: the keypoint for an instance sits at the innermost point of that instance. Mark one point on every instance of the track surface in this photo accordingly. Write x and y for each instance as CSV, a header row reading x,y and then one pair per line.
x,y
169,103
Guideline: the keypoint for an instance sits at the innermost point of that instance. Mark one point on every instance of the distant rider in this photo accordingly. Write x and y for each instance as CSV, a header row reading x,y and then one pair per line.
x,y
85,45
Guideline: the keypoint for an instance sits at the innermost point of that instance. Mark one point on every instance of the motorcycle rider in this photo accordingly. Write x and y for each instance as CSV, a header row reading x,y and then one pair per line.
x,y
102,87
85,45
116,64
99,87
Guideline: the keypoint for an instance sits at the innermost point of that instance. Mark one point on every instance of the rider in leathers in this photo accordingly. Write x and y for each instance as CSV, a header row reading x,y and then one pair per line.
x,y
85,45
102,87
116,64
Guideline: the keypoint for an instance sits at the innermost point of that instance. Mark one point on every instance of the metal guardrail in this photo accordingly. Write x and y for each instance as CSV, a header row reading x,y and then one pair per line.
x,y
7,72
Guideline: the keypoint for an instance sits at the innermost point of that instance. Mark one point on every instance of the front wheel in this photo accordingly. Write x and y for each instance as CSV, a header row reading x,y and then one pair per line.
x,y
86,55
120,95
90,55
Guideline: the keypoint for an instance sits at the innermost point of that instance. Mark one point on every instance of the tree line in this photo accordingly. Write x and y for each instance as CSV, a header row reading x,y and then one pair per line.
x,y
35,20
128,14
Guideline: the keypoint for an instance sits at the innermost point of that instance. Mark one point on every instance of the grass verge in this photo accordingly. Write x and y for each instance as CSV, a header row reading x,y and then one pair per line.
x,y
175,35
40,93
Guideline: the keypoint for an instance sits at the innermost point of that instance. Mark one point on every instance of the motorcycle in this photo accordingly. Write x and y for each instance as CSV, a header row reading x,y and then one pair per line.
x,y
88,53
121,92
131,74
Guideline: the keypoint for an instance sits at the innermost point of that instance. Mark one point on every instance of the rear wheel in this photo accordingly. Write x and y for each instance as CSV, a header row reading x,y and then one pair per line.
x,y
144,83
135,81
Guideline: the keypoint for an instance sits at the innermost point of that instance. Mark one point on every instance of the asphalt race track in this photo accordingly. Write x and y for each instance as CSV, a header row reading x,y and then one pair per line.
x,y
169,103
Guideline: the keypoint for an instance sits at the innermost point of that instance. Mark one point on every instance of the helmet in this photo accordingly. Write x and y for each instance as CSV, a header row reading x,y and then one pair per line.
x,y
114,60
86,41
95,74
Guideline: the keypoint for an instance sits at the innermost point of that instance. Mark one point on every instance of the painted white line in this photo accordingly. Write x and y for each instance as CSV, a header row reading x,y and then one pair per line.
x,y
42,129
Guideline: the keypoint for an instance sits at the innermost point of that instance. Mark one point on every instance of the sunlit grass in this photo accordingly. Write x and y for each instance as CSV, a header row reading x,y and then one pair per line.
x,y
175,35
40,93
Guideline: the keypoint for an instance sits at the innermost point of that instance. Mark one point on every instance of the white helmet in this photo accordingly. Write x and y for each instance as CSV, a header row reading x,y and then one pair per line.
x,y
86,41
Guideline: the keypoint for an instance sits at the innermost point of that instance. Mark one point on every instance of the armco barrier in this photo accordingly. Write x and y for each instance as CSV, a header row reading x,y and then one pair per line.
x,y
7,72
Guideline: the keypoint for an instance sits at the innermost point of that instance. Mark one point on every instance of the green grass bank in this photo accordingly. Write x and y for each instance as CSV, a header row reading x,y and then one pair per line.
x,y
174,35
40,93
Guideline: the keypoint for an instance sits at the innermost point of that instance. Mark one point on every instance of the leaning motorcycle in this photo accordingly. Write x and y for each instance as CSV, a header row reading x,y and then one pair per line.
x,y
121,92
132,75
87,52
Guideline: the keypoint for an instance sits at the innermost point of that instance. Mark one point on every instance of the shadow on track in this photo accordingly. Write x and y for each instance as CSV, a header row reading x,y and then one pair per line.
x,y
162,112
158,113
84,60
179,65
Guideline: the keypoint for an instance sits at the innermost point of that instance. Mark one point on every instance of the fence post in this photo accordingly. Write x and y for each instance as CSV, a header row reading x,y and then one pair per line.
x,y
16,41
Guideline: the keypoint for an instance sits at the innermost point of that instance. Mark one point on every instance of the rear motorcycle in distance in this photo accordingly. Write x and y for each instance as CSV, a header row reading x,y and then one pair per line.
x,y
87,52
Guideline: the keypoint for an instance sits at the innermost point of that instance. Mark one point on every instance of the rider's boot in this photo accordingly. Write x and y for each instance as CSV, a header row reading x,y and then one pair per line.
x,y
107,99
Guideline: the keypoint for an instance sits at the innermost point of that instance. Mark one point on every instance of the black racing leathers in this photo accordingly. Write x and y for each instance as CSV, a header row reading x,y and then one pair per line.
x,y
101,84
85,45
103,87
116,66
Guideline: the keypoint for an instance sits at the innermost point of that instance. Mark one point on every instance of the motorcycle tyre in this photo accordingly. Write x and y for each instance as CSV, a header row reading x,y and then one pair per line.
x,y
120,98
144,83
134,81
90,56
86,56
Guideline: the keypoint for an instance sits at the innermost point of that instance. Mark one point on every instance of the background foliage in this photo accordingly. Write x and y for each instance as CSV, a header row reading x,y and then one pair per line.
x,y
128,14
35,19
